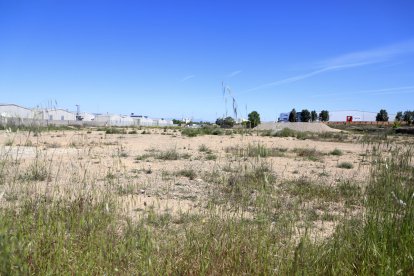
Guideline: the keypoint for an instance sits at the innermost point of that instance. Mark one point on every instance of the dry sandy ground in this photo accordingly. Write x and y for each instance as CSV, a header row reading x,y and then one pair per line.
x,y
89,160
299,126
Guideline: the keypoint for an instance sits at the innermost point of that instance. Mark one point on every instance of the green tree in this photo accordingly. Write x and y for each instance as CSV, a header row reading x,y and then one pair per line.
x,y
254,119
324,116
314,116
305,115
177,122
399,116
408,116
382,116
227,122
292,116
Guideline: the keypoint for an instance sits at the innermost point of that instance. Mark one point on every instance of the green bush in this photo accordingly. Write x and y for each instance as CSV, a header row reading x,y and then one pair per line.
x,y
190,173
336,152
345,165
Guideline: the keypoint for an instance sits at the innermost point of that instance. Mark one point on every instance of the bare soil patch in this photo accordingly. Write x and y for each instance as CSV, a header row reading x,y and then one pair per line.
x,y
299,126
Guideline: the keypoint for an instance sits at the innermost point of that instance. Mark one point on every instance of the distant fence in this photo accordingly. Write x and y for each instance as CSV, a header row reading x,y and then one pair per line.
x,y
12,121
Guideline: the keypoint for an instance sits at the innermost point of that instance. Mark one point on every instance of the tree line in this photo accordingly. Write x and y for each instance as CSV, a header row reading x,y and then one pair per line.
x,y
308,116
406,116
253,120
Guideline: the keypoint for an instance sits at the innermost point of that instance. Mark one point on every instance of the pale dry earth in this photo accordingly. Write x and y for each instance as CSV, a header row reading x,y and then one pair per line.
x,y
299,126
89,161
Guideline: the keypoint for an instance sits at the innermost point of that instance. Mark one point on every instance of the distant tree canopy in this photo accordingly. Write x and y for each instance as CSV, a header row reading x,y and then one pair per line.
x,y
324,116
177,122
408,116
292,116
305,115
382,116
314,116
399,116
254,119
227,122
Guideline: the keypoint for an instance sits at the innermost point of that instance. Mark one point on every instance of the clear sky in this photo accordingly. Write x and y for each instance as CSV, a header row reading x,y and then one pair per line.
x,y
169,58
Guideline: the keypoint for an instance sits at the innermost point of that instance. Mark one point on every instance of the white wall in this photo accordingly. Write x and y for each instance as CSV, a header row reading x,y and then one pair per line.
x,y
87,117
15,111
143,121
58,115
115,120
357,116
163,122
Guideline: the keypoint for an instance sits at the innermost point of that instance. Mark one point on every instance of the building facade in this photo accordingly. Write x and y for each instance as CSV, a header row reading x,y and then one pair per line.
x,y
355,116
115,120
16,111
58,115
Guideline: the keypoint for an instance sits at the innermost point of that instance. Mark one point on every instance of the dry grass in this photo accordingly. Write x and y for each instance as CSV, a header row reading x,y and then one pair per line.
x,y
211,204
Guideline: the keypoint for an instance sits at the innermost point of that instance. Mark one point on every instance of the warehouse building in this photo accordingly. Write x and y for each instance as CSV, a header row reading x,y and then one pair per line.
x,y
163,122
355,116
16,111
114,120
87,117
140,120
58,115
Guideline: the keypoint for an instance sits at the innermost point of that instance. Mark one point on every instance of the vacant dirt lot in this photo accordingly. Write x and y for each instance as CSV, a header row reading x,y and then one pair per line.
x,y
166,172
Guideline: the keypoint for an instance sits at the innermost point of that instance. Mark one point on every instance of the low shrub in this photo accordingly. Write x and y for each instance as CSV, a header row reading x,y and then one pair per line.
x,y
345,165
336,152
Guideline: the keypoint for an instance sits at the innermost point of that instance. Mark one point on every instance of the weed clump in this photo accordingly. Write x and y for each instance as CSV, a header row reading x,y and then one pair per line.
x,y
336,152
36,172
258,150
345,165
189,173
241,185
193,132
113,130
204,148
211,156
171,155
311,154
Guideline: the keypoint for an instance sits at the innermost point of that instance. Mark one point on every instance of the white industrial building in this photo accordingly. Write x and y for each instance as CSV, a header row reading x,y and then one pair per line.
x,y
163,122
357,116
22,114
58,115
87,117
16,111
140,120
115,120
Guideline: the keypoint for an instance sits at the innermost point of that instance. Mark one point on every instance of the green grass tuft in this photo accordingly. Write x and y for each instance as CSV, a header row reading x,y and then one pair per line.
x,y
345,165
336,152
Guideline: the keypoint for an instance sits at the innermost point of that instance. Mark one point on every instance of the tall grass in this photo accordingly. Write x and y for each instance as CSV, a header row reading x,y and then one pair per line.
x,y
73,237
381,242
256,150
253,227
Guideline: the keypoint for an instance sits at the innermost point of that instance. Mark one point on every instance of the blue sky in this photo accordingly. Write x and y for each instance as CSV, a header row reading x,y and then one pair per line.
x,y
170,58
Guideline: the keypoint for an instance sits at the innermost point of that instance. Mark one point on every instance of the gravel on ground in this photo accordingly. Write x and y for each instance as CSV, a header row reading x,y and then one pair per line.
x,y
311,127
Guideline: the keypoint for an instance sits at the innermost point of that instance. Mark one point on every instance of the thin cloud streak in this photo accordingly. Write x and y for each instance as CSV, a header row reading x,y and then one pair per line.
x,y
372,56
186,78
393,90
304,76
350,60
233,74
